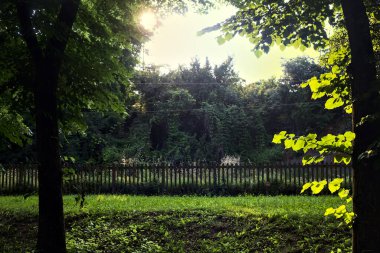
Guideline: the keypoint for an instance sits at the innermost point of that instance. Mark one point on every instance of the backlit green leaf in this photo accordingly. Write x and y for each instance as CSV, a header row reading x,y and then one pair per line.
x,y
343,193
300,143
307,160
317,187
277,139
306,186
333,103
340,211
335,69
348,109
335,184
288,143
350,136
329,211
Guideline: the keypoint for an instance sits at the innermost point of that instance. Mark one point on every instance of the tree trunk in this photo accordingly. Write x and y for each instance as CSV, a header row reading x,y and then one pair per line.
x,y
51,230
366,183
47,62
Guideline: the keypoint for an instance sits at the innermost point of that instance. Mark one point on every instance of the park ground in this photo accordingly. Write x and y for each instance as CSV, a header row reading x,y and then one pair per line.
x,y
122,223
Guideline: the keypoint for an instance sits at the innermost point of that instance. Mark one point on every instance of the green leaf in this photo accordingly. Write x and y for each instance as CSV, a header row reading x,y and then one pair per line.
x,y
335,69
319,159
277,138
317,187
347,160
307,160
278,40
306,186
288,143
349,217
333,103
258,53
338,158
296,44
311,136
228,36
304,85
335,184
220,40
350,136
340,211
318,94
329,211
300,143
348,109
343,193
314,84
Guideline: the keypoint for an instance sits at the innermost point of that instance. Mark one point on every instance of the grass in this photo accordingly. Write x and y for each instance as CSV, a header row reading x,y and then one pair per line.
x,y
119,223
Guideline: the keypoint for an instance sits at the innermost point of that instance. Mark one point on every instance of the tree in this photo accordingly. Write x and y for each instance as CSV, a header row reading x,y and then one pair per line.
x,y
60,75
365,97
47,65
302,24
286,106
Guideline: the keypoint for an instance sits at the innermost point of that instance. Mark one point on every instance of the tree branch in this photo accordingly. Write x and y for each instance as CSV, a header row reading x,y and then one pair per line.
x,y
24,15
57,43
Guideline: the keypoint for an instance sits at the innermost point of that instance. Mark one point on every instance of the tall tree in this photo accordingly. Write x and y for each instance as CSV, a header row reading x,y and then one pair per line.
x,y
302,24
62,74
47,62
366,103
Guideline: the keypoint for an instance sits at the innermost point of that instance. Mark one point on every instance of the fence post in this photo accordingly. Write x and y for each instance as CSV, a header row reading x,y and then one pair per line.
x,y
113,171
214,176
162,168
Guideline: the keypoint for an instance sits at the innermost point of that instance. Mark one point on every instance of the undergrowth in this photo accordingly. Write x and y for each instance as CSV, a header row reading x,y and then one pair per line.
x,y
181,224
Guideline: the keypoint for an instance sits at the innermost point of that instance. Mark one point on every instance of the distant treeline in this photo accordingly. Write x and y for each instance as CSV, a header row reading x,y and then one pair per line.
x,y
199,112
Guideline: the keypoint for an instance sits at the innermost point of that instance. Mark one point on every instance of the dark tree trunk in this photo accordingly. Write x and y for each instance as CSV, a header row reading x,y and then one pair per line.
x,y
47,62
51,231
365,88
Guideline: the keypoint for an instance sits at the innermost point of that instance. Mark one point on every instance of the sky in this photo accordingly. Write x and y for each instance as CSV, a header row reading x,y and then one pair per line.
x,y
175,42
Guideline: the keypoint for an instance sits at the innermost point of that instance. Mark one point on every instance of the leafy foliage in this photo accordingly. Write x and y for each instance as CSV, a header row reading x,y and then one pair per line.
x,y
341,212
12,126
340,146
333,84
297,23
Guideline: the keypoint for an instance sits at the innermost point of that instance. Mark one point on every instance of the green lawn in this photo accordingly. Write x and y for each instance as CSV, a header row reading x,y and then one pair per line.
x,y
119,223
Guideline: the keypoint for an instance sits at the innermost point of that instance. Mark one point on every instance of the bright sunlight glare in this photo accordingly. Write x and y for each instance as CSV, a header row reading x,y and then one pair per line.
x,y
148,20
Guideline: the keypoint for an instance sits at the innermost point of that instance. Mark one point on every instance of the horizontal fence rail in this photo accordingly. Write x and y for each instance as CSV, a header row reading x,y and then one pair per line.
x,y
156,179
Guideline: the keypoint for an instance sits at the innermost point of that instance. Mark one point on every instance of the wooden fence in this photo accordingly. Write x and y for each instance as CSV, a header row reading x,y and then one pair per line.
x,y
180,179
